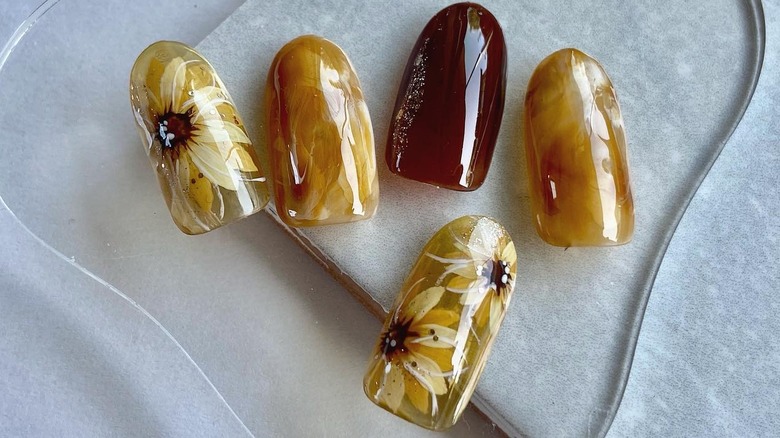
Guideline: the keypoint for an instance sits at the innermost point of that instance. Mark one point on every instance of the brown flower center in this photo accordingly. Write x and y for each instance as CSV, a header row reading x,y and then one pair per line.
x,y
393,340
498,275
173,129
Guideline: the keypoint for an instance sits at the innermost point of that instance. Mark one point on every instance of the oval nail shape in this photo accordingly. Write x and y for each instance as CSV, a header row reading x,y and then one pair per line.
x,y
207,169
576,150
319,131
450,102
438,334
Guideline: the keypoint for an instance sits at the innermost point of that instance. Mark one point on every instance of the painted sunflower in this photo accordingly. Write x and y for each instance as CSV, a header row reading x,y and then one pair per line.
x,y
189,134
414,354
482,272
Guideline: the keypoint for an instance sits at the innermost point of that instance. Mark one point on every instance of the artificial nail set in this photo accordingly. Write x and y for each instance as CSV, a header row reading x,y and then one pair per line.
x,y
444,127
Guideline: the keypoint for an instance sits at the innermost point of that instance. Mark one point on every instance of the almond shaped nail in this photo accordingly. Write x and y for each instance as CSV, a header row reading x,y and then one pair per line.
x,y
321,144
576,151
207,169
451,99
438,334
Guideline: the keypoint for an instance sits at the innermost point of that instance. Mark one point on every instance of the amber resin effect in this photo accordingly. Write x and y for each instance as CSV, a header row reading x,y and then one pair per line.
x,y
576,151
207,169
451,100
321,144
437,337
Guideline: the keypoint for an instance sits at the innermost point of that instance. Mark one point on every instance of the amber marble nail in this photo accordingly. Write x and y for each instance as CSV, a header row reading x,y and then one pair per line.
x,y
576,151
451,100
207,169
321,144
438,334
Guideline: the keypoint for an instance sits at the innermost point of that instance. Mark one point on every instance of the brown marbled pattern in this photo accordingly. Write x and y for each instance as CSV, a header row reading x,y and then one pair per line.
x,y
576,150
321,144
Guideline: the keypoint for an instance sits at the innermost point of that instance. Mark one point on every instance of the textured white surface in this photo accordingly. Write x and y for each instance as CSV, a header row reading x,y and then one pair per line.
x,y
560,361
77,361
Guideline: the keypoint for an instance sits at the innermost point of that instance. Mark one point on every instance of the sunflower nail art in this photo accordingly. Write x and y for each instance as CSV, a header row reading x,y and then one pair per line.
x,y
436,340
207,169
414,352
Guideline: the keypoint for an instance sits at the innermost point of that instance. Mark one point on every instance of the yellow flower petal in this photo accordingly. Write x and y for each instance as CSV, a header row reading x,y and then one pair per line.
x,y
466,270
194,183
228,138
423,302
240,159
155,106
219,131
508,254
475,298
393,390
236,133
418,395
441,317
482,315
461,284
172,84
374,379
236,157
435,336
496,308
483,241
441,357
200,98
427,373
212,164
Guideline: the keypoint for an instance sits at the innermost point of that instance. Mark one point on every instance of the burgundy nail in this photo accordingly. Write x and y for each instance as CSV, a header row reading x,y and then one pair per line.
x,y
451,100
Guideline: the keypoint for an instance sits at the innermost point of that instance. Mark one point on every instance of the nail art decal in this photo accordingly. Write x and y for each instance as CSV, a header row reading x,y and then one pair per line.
x,y
207,169
576,150
451,100
437,337
321,143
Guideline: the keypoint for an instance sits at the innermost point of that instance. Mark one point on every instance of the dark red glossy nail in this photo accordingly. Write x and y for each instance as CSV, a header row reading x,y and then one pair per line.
x,y
451,99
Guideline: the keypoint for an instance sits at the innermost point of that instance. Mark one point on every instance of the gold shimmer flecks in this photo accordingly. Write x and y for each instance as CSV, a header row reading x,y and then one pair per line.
x,y
438,334
321,144
206,166
576,151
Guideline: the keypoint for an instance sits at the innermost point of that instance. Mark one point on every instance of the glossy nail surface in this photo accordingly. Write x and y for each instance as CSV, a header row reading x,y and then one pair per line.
x,y
207,169
436,338
321,144
451,100
576,151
